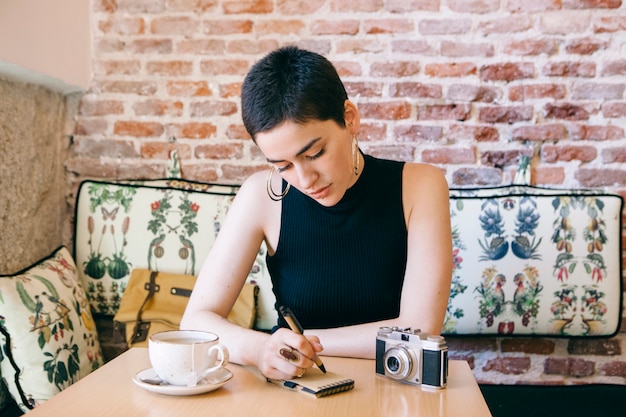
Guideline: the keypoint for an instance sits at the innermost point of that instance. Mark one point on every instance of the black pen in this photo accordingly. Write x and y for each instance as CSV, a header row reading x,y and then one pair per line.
x,y
295,327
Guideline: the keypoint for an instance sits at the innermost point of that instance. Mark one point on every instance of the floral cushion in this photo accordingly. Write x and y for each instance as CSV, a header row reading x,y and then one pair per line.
x,y
163,225
537,261
47,332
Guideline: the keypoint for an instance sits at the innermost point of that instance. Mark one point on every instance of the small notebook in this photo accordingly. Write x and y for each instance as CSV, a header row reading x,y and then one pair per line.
x,y
316,383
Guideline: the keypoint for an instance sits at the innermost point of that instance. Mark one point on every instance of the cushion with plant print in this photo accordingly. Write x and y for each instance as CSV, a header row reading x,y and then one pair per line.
x,y
164,225
530,260
47,333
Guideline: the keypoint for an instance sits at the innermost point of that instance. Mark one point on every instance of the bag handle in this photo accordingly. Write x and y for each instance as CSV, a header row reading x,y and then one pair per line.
x,y
140,332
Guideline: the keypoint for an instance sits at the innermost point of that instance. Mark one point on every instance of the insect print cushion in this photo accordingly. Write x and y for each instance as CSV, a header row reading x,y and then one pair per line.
x,y
535,261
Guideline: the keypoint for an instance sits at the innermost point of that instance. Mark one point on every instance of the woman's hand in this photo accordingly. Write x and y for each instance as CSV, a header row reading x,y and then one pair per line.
x,y
287,354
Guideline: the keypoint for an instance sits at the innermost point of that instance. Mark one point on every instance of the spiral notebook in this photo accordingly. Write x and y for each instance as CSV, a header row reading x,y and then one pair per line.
x,y
316,383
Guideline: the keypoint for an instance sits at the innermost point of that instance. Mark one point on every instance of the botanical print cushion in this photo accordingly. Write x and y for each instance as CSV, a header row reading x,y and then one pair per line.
x,y
48,335
536,261
162,225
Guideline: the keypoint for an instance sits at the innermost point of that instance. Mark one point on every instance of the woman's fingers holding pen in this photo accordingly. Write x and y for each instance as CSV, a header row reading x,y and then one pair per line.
x,y
286,355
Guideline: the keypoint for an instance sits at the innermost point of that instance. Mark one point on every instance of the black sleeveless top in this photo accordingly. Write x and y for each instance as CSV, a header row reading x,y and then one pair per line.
x,y
343,265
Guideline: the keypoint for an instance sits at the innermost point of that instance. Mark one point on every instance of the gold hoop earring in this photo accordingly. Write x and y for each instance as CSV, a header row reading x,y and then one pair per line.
x,y
270,191
355,155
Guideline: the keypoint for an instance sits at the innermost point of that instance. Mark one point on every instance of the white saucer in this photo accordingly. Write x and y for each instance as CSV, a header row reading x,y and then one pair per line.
x,y
210,383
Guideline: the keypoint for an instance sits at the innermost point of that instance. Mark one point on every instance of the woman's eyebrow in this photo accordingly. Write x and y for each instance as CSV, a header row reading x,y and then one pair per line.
x,y
300,152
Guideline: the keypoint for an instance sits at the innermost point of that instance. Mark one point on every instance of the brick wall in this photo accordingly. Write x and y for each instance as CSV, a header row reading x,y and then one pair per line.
x,y
466,85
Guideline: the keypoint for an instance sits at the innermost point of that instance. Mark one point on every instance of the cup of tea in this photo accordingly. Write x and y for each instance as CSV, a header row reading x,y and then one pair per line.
x,y
186,357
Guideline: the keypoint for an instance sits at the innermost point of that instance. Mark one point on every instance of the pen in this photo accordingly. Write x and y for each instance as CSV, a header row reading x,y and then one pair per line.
x,y
295,326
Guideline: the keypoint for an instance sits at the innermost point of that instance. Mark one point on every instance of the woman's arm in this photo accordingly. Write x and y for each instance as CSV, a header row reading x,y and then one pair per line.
x,y
428,275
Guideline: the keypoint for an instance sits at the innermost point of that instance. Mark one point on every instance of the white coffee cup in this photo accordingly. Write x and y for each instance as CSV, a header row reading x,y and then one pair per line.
x,y
186,357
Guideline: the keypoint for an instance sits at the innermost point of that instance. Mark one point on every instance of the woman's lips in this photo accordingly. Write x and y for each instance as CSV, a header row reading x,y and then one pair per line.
x,y
320,192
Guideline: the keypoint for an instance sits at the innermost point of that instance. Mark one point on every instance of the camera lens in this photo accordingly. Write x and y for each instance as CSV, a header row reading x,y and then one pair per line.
x,y
398,363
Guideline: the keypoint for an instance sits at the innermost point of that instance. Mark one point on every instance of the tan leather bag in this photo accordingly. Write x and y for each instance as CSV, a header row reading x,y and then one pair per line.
x,y
155,301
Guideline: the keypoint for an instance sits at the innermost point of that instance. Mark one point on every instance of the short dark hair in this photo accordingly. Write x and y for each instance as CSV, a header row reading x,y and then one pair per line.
x,y
291,84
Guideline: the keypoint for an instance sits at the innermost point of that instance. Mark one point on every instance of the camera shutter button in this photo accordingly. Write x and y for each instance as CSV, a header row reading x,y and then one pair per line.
x,y
437,339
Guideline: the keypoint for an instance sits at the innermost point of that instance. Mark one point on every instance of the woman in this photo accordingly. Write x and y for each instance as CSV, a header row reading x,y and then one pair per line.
x,y
354,242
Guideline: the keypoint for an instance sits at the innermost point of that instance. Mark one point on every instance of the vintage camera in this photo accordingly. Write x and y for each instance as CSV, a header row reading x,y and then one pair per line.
x,y
411,356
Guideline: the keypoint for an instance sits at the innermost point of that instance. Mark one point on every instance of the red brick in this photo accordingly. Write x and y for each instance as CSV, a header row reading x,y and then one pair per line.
x,y
508,24
377,26
169,68
470,359
614,368
356,6
90,127
394,69
156,107
589,177
213,108
617,67
400,6
289,7
108,6
396,153
475,7
230,90
284,27
548,175
219,151
508,71
237,132
476,93
477,177
533,91
364,89
598,91
505,114
460,132
131,67
158,150
372,132
224,67
141,6
410,46
532,6
526,345
94,148
592,4
614,110
197,6
585,46
554,153
417,133
251,47
227,27
444,26
501,159
564,23
335,27
97,107
238,173
359,46
395,110
530,47
566,111
545,132
587,132
568,366
570,69
610,155
203,172
175,25
509,366
460,49
610,24
415,90
142,88
123,25
201,46
453,69
449,156
138,129
94,168
188,88
151,46
252,6
444,112
105,46
193,130
471,344
348,69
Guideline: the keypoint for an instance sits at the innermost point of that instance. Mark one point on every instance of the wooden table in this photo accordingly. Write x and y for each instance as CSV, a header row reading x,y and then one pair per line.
x,y
110,391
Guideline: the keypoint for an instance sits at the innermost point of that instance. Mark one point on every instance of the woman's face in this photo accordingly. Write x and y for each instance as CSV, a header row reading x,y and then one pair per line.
x,y
315,157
